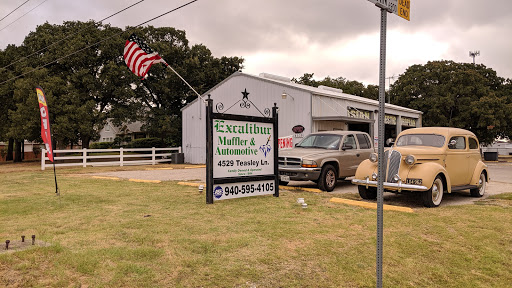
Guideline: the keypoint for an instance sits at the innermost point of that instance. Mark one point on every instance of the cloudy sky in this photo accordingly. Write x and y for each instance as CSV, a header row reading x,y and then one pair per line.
x,y
292,37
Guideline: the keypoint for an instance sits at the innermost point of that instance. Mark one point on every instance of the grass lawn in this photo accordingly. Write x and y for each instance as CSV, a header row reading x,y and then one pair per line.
x,y
106,233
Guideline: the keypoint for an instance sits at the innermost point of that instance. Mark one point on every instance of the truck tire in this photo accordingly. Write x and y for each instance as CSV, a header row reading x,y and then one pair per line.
x,y
328,178
283,183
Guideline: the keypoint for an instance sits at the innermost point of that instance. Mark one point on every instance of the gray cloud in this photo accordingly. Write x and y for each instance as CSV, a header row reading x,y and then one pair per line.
x,y
322,37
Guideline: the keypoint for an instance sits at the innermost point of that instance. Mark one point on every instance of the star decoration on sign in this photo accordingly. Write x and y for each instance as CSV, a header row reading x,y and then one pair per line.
x,y
245,93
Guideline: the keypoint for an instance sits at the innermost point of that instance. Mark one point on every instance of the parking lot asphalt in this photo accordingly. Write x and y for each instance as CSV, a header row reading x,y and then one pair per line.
x,y
501,182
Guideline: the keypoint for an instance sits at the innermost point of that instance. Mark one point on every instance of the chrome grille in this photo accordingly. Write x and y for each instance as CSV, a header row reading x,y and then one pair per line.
x,y
392,164
289,162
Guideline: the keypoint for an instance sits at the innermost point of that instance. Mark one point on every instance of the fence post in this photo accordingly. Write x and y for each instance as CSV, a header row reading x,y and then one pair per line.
x,y
121,154
43,156
179,149
153,155
84,157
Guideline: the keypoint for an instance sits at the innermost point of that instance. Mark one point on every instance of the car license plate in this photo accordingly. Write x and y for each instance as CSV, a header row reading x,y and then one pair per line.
x,y
413,181
285,178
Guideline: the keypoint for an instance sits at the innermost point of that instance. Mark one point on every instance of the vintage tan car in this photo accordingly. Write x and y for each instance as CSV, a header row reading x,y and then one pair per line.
x,y
430,160
325,157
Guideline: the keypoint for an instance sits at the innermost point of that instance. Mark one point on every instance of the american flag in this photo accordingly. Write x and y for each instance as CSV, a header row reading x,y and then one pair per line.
x,y
139,57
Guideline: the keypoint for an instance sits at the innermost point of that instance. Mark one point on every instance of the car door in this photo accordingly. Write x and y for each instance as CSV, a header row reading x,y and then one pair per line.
x,y
348,156
457,160
474,156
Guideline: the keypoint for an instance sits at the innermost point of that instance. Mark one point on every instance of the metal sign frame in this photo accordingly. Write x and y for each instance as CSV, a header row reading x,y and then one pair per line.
x,y
211,180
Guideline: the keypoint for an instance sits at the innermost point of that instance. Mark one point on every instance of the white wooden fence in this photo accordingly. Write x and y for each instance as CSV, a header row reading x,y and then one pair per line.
x,y
113,157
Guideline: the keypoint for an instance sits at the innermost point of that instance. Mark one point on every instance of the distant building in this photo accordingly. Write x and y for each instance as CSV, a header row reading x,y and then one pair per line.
x,y
132,130
301,108
503,147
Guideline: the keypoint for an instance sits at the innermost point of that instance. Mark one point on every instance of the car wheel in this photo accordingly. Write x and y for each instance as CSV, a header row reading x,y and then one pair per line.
x,y
283,183
433,196
479,192
328,178
367,193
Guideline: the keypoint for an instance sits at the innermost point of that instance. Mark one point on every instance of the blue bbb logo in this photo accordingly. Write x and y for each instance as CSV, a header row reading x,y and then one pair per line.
x,y
218,192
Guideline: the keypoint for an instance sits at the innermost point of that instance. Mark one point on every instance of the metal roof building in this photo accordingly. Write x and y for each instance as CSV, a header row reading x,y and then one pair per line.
x,y
314,109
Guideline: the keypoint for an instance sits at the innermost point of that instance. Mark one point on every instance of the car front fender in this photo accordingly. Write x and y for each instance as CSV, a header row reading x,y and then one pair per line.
x,y
365,169
428,172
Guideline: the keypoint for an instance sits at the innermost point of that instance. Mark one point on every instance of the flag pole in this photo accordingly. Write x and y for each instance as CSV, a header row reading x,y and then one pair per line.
x,y
198,95
55,175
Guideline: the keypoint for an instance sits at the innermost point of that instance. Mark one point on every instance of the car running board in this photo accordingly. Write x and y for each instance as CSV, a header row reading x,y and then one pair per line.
x,y
465,187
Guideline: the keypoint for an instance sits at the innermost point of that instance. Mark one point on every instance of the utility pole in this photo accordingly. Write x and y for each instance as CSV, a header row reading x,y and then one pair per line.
x,y
474,54
389,86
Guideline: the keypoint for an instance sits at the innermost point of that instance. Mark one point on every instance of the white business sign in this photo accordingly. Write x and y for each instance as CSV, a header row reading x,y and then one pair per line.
x,y
242,148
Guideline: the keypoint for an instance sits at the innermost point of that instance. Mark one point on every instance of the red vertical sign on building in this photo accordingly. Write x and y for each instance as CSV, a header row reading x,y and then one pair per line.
x,y
45,122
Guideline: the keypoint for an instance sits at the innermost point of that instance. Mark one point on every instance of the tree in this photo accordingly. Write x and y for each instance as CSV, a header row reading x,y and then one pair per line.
x,y
162,93
92,83
349,87
7,101
453,94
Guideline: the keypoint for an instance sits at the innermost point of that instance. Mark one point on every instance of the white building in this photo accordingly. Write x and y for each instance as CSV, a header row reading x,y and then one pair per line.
x,y
315,109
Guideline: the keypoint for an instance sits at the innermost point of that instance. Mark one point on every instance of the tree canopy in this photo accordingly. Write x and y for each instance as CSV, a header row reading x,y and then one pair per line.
x,y
348,86
459,95
450,94
82,71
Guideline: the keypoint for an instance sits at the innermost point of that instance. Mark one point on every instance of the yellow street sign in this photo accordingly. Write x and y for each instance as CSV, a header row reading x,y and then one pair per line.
x,y
404,8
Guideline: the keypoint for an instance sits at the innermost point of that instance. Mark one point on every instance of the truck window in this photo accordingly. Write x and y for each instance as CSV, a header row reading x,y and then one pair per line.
x,y
364,142
350,140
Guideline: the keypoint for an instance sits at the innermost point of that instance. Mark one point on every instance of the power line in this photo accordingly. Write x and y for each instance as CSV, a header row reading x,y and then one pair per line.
x,y
14,10
55,43
42,66
23,15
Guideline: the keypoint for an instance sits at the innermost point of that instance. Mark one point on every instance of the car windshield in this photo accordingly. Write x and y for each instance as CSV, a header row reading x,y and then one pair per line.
x,y
324,141
432,140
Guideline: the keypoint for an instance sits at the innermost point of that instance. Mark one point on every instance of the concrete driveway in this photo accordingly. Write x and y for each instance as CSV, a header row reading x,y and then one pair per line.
x,y
501,182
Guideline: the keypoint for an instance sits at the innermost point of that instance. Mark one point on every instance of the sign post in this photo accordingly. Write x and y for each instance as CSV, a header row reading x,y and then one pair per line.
x,y
402,9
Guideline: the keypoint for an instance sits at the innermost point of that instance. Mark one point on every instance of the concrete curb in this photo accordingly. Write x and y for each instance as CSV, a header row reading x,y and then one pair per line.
x,y
371,205
300,189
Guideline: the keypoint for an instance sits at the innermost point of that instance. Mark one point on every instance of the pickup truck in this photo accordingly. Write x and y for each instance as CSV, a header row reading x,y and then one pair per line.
x,y
325,157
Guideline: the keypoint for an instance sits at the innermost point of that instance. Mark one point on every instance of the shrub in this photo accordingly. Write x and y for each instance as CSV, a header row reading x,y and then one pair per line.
x,y
101,145
3,152
147,143
36,150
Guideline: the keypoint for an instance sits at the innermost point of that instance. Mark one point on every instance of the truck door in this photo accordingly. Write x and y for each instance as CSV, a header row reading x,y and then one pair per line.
x,y
349,159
